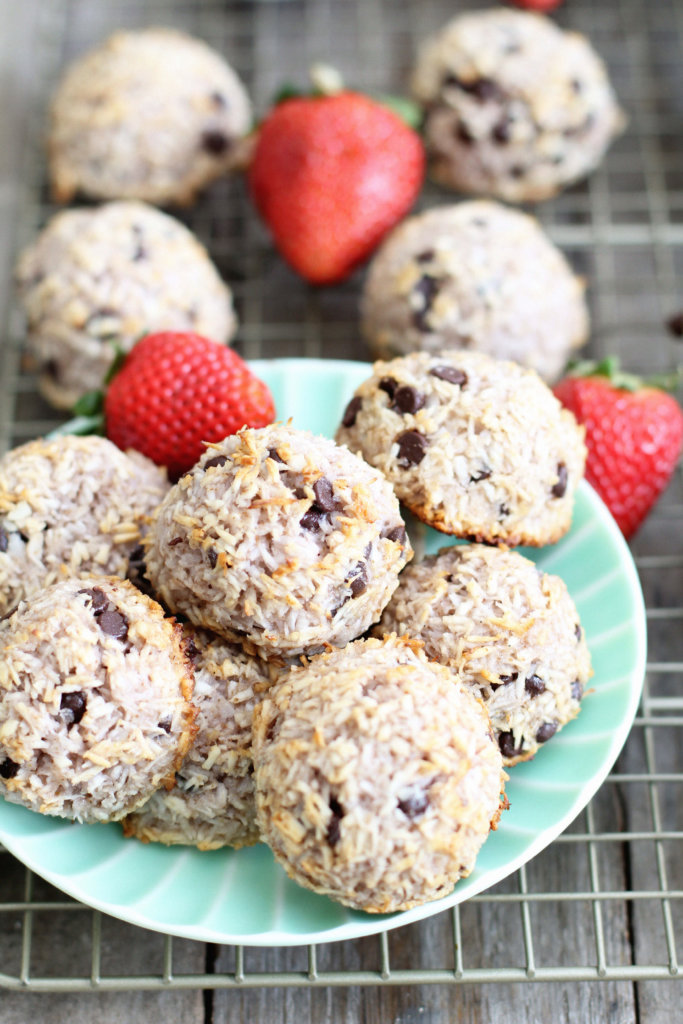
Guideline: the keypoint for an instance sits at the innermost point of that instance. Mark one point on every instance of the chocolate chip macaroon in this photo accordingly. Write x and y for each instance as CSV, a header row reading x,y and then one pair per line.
x,y
377,775
511,633
474,446
150,114
95,711
280,539
515,107
95,280
474,275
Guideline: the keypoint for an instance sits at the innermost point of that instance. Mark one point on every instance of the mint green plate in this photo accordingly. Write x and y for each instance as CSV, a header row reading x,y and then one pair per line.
x,y
243,896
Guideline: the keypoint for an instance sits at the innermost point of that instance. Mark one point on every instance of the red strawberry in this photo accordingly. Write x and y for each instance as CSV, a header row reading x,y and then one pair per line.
x,y
331,175
634,433
537,5
176,390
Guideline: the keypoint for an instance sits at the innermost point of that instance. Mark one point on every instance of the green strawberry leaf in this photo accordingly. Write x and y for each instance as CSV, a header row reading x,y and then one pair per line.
x,y
78,425
408,111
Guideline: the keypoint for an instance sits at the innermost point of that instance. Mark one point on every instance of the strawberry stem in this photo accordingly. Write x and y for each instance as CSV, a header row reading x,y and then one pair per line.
x,y
325,79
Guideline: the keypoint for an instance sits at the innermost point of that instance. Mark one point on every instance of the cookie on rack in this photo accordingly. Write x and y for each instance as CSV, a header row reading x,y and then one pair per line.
x,y
151,114
95,711
95,280
510,631
515,107
72,506
473,446
475,275
281,539
212,803
377,775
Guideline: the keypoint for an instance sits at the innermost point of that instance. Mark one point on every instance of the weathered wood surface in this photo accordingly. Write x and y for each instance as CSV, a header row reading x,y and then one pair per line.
x,y
633,290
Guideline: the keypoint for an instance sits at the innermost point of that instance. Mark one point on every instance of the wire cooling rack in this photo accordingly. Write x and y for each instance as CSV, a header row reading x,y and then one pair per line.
x,y
601,903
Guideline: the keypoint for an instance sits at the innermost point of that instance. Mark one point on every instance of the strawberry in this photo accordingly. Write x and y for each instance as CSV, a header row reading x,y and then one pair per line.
x,y
537,5
177,390
330,175
634,433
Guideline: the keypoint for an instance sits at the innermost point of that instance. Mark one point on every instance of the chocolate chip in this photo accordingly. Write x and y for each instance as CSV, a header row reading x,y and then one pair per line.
x,y
397,534
483,89
426,289
8,768
481,474
73,707
274,455
547,730
218,99
576,85
113,623
451,374
506,744
503,510
310,520
324,495
98,600
510,678
408,399
214,141
558,490
425,256
333,830
578,632
4,539
137,555
139,252
358,579
51,368
675,325
463,134
534,685
351,411
175,540
576,690
165,724
212,557
500,132
412,447
389,385
191,649
217,460
414,803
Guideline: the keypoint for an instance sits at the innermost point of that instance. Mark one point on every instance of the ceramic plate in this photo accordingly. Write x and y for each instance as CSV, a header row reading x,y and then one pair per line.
x,y
243,896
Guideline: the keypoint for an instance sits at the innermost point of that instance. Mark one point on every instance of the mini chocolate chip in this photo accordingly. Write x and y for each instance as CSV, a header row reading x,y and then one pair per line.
x,y
397,534
426,288
191,649
333,830
576,690
578,632
165,724
512,47
463,134
547,730
310,520
451,374
212,557
137,555
483,89
412,447
481,474
506,744
517,171
8,768
175,540
558,490
367,550
98,600
51,368
503,510
576,85
408,400
218,99
414,803
509,679
214,141
73,705
113,623
139,253
275,456
324,495
389,385
534,685
4,539
425,256
351,411
358,579
500,132
217,460
675,325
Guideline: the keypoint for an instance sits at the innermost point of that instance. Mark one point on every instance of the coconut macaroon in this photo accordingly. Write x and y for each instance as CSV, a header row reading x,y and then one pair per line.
x,y
151,114
212,803
515,107
474,275
95,709
95,280
511,632
473,446
72,506
377,775
280,538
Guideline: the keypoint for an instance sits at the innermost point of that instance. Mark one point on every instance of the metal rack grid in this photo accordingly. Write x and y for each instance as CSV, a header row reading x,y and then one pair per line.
x,y
600,904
